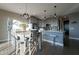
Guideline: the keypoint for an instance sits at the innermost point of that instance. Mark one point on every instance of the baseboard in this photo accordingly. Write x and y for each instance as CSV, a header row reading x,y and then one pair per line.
x,y
73,38
53,42
3,41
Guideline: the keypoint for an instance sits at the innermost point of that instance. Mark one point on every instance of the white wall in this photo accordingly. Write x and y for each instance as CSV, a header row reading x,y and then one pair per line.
x,y
74,28
3,31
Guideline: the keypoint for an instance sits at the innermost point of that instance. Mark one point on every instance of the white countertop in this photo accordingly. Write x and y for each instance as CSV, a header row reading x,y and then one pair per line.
x,y
52,31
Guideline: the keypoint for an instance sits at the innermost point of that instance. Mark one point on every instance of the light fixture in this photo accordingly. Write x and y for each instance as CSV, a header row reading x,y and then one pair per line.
x,y
25,14
55,15
45,14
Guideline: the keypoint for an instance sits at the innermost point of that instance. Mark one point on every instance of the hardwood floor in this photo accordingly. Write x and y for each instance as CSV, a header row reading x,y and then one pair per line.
x,y
49,49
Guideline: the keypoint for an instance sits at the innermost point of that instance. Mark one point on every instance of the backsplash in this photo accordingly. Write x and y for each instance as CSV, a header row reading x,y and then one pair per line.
x,y
53,24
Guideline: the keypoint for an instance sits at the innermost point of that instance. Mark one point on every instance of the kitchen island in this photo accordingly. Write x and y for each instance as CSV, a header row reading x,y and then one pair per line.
x,y
54,37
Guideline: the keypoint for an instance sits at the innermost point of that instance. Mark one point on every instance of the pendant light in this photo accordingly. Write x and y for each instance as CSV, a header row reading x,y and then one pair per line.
x,y
45,14
55,15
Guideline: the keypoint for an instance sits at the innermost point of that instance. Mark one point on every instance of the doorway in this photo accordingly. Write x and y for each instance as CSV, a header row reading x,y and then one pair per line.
x,y
66,29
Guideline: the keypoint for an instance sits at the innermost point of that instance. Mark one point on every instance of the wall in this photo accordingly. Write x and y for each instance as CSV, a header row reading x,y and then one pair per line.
x,y
3,28
4,16
74,27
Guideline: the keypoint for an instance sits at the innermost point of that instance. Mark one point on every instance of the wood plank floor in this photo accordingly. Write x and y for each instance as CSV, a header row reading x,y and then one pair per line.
x,y
49,49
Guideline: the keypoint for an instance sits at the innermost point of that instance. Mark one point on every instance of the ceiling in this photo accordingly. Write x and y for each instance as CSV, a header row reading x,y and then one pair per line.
x,y
37,9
